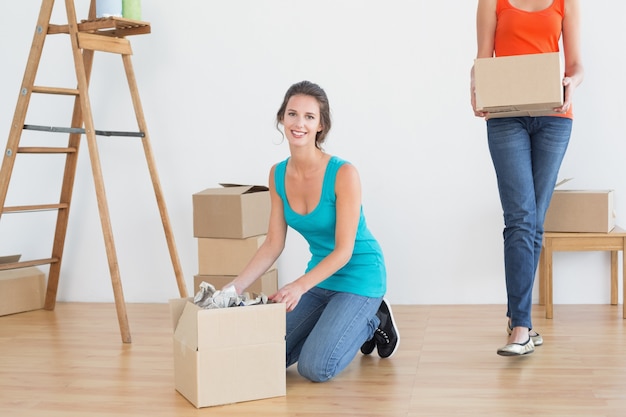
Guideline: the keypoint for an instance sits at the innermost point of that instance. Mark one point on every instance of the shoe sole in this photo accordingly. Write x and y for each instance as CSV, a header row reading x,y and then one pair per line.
x,y
395,327
506,353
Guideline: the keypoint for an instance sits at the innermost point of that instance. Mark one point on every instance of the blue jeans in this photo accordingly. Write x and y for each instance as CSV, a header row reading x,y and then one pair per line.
x,y
326,330
527,153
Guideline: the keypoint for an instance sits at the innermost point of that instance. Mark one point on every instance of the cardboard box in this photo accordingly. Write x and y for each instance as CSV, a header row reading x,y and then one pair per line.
x,y
226,256
266,284
519,85
580,211
228,355
21,289
233,211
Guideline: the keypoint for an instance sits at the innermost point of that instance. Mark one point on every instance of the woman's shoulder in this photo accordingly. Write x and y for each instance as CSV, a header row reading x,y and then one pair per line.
x,y
346,171
279,165
336,160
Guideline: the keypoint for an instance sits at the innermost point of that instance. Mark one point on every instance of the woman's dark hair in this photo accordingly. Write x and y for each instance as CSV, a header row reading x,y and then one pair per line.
x,y
307,88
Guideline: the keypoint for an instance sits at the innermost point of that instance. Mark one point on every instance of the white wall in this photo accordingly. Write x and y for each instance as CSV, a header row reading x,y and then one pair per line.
x,y
211,77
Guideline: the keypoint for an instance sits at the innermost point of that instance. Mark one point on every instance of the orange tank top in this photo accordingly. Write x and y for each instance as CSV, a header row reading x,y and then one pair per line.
x,y
519,32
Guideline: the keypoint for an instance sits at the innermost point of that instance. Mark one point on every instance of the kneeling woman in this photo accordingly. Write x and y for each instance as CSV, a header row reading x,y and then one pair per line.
x,y
337,306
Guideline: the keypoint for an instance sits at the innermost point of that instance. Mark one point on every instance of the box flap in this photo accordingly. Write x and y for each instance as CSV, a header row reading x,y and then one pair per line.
x,y
9,259
563,181
233,189
177,305
186,331
249,188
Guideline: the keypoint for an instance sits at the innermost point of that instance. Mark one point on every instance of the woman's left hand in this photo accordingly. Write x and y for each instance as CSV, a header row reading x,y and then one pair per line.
x,y
289,295
567,95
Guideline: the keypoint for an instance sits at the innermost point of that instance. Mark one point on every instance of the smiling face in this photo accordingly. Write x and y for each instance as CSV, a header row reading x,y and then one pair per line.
x,y
301,120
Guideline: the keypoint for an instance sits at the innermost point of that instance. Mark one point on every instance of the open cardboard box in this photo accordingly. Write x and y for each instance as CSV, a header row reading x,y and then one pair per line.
x,y
519,85
228,355
21,289
580,211
232,211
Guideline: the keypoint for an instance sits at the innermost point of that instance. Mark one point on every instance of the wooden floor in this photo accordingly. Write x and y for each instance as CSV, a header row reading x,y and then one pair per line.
x,y
71,362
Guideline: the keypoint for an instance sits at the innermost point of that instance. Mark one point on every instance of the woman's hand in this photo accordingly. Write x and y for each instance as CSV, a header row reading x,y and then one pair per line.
x,y
289,295
477,113
567,96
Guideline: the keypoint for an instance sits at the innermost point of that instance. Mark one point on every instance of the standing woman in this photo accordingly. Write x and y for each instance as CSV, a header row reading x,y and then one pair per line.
x,y
336,307
527,151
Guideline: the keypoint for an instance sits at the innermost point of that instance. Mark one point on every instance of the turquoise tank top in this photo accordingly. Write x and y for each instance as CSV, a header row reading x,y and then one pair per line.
x,y
365,274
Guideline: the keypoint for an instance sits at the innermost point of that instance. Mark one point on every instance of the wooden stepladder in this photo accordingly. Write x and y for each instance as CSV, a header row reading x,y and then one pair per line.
x,y
87,36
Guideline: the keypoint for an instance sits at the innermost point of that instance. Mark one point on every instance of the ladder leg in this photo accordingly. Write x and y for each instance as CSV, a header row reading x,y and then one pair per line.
x,y
19,117
66,192
68,184
169,235
97,176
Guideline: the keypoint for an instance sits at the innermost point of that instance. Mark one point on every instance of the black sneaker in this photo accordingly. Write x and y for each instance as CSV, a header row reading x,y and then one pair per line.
x,y
386,335
368,347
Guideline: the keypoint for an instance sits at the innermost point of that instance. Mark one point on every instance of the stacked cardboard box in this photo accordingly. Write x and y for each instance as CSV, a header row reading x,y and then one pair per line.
x,y
230,224
234,354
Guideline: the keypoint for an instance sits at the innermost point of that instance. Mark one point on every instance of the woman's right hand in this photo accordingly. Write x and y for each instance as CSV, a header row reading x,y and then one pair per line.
x,y
233,284
289,295
477,113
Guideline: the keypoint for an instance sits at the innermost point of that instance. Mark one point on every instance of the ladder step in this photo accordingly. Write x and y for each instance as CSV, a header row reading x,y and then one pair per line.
x,y
81,131
25,264
56,90
110,26
114,26
45,150
35,207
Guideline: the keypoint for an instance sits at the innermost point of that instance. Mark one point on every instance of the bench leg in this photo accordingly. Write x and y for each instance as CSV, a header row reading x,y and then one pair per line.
x,y
542,278
547,276
614,277
624,279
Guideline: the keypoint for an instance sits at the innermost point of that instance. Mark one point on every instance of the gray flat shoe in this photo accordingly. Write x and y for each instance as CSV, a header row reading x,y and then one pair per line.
x,y
517,349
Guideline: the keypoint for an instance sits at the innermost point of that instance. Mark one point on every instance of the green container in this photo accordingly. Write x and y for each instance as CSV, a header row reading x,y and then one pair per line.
x,y
131,9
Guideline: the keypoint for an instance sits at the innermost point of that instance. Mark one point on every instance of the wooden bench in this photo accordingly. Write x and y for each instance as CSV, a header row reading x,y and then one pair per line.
x,y
613,241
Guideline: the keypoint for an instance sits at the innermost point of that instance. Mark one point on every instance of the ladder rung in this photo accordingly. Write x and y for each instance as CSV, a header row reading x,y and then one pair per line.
x,y
78,130
25,264
55,29
35,207
45,150
56,90
81,131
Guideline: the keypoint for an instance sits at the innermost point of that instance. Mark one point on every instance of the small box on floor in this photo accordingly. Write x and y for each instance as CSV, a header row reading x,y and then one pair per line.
x,y
266,284
21,289
519,85
233,211
228,355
